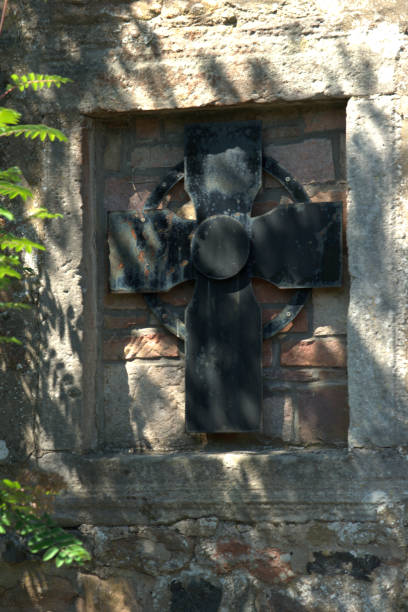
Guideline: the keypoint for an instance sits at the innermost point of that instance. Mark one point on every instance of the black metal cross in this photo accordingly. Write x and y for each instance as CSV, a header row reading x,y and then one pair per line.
x,y
292,246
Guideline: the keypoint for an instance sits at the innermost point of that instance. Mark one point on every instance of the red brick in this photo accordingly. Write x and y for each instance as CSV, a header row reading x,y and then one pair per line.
x,y
269,567
267,293
266,564
145,345
323,415
180,295
324,120
232,548
126,194
269,182
260,208
319,352
267,353
299,323
111,156
177,194
174,127
147,128
158,156
331,195
309,374
124,301
308,161
125,322
282,131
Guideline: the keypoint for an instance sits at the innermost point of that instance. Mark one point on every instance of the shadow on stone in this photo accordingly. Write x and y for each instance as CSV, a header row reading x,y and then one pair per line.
x,y
195,596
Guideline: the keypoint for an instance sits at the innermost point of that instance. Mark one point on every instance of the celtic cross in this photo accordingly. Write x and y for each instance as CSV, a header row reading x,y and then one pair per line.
x,y
294,245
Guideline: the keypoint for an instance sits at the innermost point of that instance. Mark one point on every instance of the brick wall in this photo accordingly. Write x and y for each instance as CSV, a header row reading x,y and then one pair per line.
x,y
305,385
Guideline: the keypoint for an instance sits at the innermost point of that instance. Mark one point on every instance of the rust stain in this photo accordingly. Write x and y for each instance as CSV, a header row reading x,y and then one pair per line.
x,y
232,547
141,257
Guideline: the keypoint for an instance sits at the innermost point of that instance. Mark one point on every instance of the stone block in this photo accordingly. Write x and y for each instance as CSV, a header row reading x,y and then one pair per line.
x,y
144,407
317,352
323,415
310,161
142,344
44,593
278,417
330,311
376,235
152,550
113,593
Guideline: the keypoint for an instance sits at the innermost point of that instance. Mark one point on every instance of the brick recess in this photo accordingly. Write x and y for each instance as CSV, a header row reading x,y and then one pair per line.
x,y
317,352
135,320
305,376
145,345
323,415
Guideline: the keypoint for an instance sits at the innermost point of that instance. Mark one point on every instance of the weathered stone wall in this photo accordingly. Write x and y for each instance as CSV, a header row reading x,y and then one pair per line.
x,y
230,523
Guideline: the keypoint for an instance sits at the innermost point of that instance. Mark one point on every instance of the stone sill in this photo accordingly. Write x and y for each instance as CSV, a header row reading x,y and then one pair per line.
x,y
249,486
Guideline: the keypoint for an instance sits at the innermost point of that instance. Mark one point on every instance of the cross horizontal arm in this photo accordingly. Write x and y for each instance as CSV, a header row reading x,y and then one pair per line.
x,y
151,254
298,245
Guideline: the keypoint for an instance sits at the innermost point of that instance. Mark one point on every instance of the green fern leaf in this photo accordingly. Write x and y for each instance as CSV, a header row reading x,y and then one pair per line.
x,y
34,131
9,340
36,81
8,116
9,241
11,190
14,306
13,175
44,213
6,214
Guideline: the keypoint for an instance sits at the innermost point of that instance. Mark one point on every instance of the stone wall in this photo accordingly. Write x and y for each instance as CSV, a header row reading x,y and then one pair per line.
x,y
302,517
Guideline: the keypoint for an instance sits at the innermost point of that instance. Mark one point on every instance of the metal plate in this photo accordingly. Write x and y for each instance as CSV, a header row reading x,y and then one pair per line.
x,y
296,245
299,245
151,254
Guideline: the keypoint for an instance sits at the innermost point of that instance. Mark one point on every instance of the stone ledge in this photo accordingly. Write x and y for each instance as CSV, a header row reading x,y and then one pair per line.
x,y
279,485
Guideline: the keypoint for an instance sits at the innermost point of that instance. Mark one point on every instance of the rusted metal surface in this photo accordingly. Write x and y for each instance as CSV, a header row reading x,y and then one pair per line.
x,y
151,253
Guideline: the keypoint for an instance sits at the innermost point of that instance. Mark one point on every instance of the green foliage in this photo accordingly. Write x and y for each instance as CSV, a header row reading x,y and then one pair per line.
x,y
33,131
22,509
19,513
36,81
12,186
